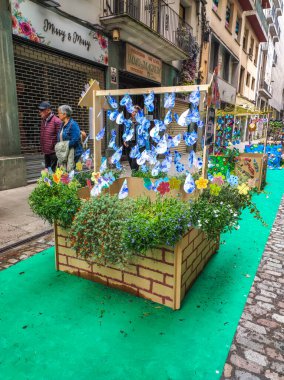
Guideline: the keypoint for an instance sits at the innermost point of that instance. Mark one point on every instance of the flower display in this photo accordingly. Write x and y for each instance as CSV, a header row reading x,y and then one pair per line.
x,y
95,176
218,179
233,180
79,166
243,189
163,188
201,183
174,183
214,189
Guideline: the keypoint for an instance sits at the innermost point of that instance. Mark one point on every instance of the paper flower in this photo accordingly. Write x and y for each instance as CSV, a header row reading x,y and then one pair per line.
x,y
215,189
201,183
174,183
89,183
79,166
251,182
243,189
233,180
163,188
47,181
148,183
95,176
218,179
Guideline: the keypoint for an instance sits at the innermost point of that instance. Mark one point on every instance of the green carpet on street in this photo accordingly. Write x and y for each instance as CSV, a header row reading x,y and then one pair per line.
x,y
57,326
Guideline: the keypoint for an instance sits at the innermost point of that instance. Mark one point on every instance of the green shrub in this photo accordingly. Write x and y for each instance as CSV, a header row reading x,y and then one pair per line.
x,y
160,222
56,203
98,228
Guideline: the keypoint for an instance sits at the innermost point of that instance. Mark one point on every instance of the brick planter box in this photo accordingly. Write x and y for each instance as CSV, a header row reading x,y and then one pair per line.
x,y
163,275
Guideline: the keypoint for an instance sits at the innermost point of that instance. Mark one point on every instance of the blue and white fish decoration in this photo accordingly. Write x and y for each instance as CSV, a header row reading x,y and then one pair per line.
x,y
135,152
194,97
168,118
112,102
128,134
148,101
120,118
156,169
162,146
112,143
101,134
169,100
116,156
123,193
189,184
103,166
190,138
86,155
182,120
112,115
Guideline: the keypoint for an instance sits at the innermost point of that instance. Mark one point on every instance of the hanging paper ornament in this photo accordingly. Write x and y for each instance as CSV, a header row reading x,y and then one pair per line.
x,y
168,118
169,100
103,166
123,193
162,146
101,134
112,115
189,185
112,102
120,118
116,156
182,121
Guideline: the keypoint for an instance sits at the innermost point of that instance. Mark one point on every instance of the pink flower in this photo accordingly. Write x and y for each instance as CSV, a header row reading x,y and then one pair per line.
x,y
34,37
102,42
218,180
26,28
14,22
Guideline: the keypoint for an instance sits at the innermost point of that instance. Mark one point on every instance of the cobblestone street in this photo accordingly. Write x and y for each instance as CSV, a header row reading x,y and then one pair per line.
x,y
257,351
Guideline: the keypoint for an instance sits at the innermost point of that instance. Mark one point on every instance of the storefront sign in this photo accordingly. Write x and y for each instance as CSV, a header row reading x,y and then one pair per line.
x,y
38,24
140,63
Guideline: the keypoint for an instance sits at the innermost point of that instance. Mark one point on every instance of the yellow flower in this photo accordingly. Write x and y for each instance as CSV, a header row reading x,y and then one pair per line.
x,y
201,183
243,189
95,176
59,172
215,189
79,166
174,183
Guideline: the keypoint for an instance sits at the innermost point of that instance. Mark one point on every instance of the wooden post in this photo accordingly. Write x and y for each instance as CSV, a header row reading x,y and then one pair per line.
x,y
96,129
205,148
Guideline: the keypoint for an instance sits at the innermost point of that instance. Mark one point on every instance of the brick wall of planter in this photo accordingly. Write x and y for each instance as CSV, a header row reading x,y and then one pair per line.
x,y
162,275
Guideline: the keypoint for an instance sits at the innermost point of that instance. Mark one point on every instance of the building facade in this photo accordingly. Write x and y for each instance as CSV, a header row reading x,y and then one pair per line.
x,y
58,46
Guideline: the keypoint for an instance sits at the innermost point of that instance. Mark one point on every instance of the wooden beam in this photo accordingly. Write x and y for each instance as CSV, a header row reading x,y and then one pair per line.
x,y
157,90
96,129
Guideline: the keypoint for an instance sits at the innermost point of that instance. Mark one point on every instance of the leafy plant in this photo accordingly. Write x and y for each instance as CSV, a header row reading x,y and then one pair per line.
x,y
221,212
55,202
151,224
140,174
82,177
98,229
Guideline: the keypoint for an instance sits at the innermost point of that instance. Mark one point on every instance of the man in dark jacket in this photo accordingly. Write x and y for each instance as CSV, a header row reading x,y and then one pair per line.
x,y
50,125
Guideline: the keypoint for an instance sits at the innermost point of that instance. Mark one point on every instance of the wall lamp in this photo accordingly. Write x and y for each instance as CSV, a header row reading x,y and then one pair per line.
x,y
115,34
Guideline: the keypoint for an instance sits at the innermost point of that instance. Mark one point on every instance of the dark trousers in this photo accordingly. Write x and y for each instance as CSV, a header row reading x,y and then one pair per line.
x,y
50,161
132,161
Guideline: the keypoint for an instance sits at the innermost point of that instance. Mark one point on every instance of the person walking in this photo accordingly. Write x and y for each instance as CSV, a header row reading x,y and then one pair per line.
x,y
50,125
70,131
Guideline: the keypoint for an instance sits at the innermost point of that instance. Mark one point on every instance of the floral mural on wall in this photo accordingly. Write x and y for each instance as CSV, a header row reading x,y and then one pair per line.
x,y
22,26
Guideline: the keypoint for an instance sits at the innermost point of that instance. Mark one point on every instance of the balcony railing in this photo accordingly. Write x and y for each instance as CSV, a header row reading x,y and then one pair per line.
x,y
157,16
261,15
266,87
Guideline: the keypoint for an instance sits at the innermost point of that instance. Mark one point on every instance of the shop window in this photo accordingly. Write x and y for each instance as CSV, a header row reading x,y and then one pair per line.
x,y
238,28
215,5
228,14
248,80
251,48
252,83
245,40
214,55
226,66
256,55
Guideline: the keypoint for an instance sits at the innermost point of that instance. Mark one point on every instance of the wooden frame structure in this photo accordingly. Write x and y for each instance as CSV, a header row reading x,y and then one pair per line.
x,y
93,98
